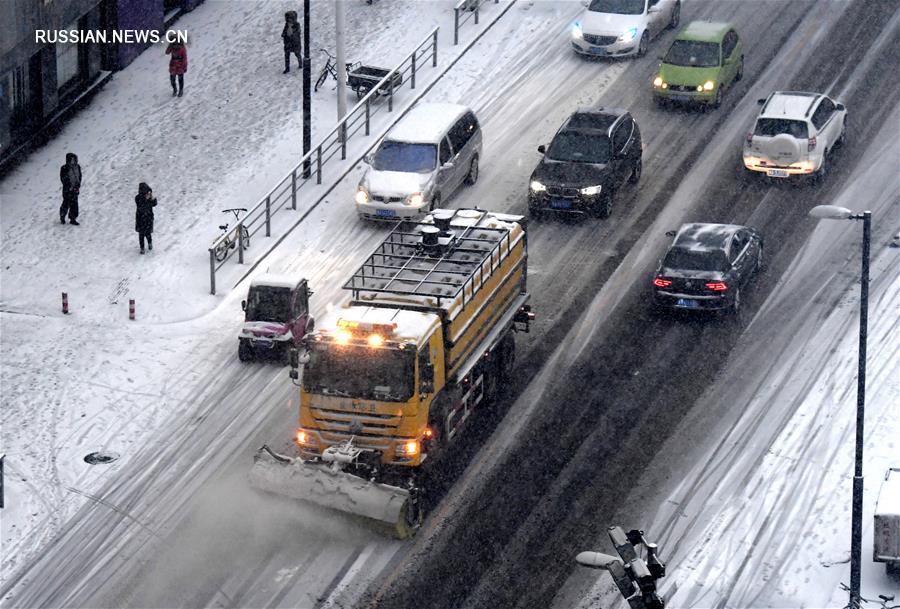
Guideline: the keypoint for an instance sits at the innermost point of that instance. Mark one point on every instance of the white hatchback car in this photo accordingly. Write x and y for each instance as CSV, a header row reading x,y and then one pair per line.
x,y
616,28
794,134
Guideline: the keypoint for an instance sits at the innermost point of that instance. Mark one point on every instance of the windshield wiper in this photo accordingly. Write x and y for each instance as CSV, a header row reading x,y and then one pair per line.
x,y
330,391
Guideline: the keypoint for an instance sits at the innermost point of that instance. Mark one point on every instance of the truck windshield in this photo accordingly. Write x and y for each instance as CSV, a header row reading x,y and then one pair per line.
x,y
401,156
579,147
360,372
693,54
268,304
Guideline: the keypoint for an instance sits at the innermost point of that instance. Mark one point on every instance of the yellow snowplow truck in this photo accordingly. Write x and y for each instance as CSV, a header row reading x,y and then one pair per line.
x,y
390,377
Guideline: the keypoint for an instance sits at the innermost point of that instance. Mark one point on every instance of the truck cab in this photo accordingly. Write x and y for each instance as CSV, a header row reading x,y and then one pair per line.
x,y
276,317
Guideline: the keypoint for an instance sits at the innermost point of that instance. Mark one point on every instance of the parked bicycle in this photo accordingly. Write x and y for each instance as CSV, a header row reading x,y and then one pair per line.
x,y
231,239
330,69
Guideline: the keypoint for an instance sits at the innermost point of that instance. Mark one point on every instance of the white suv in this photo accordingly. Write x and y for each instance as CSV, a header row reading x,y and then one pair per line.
x,y
794,134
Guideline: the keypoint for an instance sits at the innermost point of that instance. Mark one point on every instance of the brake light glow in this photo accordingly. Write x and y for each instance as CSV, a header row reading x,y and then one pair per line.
x,y
342,337
375,340
811,144
717,286
428,433
662,283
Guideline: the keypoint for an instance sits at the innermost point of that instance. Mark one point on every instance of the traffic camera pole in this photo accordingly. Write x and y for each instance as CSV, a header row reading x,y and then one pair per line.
x,y
307,97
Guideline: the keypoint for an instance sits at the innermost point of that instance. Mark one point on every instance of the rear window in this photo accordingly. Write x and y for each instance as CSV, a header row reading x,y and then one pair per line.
x,y
693,54
775,126
695,260
579,147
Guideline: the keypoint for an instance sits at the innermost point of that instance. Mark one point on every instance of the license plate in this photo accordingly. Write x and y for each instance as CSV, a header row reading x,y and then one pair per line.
x,y
561,203
681,98
777,173
267,344
385,213
598,50
687,303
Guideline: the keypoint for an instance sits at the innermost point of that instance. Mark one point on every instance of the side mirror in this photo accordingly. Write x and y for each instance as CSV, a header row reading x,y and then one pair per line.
x,y
760,101
671,233
368,158
542,149
243,305
840,107
447,165
653,9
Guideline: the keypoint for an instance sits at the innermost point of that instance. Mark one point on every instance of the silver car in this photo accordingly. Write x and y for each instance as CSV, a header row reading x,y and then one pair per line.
x,y
420,162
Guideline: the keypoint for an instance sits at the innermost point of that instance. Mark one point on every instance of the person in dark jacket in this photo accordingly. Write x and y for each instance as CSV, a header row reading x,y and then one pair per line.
x,y
293,41
70,176
178,65
143,217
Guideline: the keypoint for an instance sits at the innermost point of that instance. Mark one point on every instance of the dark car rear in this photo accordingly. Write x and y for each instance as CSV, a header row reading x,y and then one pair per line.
x,y
594,152
706,266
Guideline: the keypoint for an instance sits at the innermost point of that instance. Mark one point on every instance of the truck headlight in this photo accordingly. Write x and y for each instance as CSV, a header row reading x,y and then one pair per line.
x,y
304,438
362,196
658,82
408,449
591,190
415,199
537,186
629,35
708,85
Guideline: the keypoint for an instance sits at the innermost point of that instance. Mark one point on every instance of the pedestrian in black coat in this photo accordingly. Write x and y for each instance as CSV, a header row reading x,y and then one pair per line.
x,y
293,41
143,217
70,176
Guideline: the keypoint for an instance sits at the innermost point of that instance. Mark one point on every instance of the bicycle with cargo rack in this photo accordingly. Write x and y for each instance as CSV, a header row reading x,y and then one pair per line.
x,y
231,239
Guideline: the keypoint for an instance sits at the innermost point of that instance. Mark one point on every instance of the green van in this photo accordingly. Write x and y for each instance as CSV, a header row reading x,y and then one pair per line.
x,y
704,59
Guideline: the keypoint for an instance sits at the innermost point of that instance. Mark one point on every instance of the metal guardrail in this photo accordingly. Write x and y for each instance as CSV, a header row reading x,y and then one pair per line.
x,y
472,7
285,192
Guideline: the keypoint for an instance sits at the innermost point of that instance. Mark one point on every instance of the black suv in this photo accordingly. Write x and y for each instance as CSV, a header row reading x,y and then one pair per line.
x,y
593,153
706,265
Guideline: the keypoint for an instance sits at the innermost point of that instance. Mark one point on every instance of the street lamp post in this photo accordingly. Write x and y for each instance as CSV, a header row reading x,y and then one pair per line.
x,y
833,212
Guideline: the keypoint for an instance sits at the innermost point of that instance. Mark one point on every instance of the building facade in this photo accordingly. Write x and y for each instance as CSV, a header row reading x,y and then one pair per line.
x,y
43,81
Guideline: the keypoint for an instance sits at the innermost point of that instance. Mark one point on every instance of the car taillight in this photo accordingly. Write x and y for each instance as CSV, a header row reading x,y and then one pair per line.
x,y
749,137
662,283
717,286
811,145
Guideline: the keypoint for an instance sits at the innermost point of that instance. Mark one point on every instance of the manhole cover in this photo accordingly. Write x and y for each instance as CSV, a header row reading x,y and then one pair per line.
x,y
95,458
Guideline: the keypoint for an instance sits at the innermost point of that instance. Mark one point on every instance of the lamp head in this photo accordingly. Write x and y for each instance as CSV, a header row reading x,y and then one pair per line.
x,y
830,212
596,560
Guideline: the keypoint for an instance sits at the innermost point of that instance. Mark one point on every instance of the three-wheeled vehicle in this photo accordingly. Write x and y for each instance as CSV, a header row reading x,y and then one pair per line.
x,y
276,317
886,542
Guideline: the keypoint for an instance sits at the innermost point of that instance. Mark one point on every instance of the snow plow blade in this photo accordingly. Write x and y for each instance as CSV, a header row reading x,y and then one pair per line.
x,y
326,485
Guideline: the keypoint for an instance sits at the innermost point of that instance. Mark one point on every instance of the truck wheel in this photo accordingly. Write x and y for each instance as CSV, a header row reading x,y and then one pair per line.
x,y
411,516
245,351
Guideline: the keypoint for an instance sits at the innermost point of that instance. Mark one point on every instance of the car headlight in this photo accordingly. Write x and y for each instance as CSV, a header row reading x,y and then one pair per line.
x,y
629,35
576,31
708,85
659,82
591,190
537,186
362,196
415,199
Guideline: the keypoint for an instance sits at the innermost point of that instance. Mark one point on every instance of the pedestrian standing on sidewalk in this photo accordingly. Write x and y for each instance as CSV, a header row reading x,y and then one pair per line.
x,y
143,217
178,65
293,42
70,176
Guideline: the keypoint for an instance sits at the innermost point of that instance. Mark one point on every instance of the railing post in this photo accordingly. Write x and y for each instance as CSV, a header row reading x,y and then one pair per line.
x,y
240,230
319,164
212,272
342,133
455,26
367,115
477,5
434,50
391,95
412,78
294,188
268,216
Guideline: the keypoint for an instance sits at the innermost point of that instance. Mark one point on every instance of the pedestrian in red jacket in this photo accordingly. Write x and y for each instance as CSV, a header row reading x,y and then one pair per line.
x,y
178,64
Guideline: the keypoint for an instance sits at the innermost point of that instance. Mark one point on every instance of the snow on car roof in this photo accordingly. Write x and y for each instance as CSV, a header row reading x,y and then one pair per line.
x,y
889,496
789,104
413,326
275,281
705,236
426,123
704,31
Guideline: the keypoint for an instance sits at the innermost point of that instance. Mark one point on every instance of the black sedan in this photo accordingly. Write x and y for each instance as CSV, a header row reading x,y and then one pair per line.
x,y
594,152
706,266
